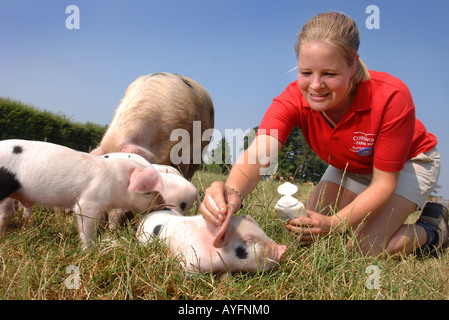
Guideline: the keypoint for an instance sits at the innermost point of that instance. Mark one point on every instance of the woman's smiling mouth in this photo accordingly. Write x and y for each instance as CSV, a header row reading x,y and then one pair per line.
x,y
318,97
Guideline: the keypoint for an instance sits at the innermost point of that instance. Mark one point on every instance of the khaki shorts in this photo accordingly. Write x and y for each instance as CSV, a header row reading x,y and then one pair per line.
x,y
417,180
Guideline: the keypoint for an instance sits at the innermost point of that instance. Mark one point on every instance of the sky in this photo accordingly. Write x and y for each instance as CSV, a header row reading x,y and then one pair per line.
x,y
241,51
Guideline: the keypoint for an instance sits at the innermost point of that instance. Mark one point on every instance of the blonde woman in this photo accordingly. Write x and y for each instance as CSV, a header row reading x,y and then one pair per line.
x,y
383,164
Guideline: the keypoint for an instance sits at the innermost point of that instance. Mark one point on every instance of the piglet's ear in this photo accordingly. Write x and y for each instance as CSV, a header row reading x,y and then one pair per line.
x,y
146,180
220,231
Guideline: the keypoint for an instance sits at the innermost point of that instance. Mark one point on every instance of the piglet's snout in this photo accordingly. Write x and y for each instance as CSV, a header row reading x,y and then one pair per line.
x,y
275,251
280,250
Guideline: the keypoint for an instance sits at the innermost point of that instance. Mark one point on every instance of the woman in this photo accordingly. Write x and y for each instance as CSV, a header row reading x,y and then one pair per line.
x,y
383,164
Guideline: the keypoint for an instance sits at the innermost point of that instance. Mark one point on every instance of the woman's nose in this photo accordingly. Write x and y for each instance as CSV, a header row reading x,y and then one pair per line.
x,y
316,83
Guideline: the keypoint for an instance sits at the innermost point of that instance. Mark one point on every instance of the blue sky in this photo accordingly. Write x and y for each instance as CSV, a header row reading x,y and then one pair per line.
x,y
240,51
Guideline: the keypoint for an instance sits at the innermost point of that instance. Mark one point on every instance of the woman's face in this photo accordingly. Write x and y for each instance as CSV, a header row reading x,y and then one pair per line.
x,y
324,77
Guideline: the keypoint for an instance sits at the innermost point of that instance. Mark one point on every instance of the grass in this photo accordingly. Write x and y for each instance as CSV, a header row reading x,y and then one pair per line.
x,y
40,258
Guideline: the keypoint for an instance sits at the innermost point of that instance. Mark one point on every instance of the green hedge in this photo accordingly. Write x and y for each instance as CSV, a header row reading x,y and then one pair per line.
x,y
21,121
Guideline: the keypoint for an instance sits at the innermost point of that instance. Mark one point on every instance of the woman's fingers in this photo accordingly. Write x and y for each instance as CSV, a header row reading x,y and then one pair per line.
x,y
213,207
304,233
217,197
302,228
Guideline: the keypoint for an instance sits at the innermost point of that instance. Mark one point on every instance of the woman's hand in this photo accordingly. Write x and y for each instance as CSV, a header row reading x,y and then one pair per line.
x,y
310,228
219,201
222,199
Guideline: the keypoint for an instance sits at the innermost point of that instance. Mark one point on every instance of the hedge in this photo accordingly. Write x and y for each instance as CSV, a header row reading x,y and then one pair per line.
x,y
21,121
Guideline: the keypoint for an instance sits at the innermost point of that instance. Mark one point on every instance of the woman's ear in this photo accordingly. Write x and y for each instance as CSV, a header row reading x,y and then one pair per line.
x,y
355,65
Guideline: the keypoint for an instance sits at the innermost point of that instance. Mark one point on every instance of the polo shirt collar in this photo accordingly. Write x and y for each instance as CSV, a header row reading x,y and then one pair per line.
x,y
362,98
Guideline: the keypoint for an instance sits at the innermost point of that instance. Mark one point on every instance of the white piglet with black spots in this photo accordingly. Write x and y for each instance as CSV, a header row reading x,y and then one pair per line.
x,y
179,194
55,176
244,246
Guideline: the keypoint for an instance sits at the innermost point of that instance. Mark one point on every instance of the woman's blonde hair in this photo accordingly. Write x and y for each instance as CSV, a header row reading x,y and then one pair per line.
x,y
339,31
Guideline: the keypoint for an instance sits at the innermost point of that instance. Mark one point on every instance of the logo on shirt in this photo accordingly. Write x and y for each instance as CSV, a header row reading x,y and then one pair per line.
x,y
363,143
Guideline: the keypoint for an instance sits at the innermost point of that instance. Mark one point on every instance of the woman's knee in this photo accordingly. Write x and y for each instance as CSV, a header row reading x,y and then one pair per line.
x,y
328,197
386,232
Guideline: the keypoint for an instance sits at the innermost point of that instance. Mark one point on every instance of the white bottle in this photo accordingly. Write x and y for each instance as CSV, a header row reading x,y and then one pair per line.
x,y
288,207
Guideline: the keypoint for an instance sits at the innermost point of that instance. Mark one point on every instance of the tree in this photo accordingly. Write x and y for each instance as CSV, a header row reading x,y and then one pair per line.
x,y
221,156
296,159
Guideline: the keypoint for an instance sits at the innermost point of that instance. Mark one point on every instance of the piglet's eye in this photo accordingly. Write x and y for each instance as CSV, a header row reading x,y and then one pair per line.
x,y
241,252
250,242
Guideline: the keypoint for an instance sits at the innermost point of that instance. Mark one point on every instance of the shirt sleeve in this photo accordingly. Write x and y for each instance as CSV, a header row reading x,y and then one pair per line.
x,y
396,132
282,115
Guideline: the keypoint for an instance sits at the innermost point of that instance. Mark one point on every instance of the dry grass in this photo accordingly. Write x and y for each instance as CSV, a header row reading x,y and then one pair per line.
x,y
35,255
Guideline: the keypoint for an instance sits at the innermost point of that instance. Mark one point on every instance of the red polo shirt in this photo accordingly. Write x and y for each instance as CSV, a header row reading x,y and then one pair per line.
x,y
380,128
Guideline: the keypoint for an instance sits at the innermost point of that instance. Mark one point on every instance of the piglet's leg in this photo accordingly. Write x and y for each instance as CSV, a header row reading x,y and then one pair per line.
x,y
8,207
88,219
115,218
27,212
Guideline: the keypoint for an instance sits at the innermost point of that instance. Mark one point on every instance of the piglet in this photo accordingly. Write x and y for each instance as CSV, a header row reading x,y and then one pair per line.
x,y
178,193
52,175
244,247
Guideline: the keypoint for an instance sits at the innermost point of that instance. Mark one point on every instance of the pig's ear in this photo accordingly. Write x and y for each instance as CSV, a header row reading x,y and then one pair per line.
x,y
143,152
248,217
146,180
220,231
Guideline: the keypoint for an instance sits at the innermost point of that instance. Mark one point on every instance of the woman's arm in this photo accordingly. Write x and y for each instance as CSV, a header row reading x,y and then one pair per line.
x,y
369,202
243,178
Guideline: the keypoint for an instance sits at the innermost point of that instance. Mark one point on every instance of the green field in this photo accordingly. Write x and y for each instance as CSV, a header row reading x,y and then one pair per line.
x,y
42,259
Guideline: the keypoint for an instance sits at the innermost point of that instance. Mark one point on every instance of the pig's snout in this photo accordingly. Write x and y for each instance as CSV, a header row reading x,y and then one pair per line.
x,y
273,255
280,250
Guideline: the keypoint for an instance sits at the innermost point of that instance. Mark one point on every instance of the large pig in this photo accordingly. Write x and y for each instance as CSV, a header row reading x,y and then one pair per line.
x,y
244,247
52,175
153,107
